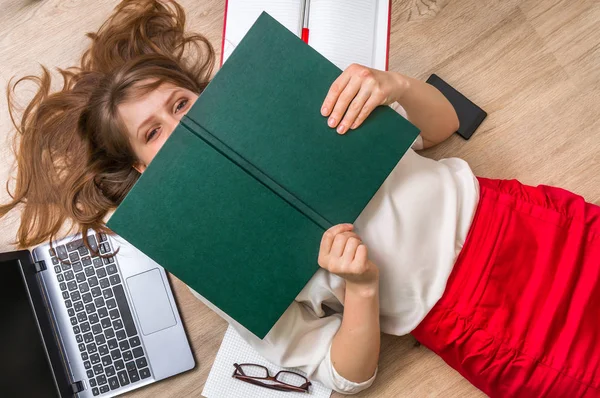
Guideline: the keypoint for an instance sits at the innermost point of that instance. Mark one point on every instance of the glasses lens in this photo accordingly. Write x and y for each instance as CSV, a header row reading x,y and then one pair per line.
x,y
291,378
254,371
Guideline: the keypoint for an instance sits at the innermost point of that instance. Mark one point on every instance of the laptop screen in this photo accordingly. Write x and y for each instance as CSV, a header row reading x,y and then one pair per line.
x,y
24,367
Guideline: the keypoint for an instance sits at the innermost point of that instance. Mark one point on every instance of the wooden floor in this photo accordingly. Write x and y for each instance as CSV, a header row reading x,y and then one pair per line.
x,y
533,65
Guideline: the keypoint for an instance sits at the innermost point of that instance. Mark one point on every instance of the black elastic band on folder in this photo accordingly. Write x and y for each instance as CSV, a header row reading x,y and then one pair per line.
x,y
257,174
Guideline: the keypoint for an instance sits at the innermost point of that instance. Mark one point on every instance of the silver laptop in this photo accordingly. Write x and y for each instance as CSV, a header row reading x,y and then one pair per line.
x,y
85,326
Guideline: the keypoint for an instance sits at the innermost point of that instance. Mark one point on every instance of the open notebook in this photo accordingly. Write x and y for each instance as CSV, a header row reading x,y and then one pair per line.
x,y
345,32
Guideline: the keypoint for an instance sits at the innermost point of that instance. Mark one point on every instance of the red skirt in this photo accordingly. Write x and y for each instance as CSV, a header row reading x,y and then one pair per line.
x,y
520,316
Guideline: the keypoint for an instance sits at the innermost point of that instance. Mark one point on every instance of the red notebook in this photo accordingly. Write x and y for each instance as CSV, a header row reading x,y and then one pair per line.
x,y
344,32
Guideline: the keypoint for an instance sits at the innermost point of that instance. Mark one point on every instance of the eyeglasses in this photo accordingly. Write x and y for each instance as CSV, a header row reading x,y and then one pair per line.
x,y
259,375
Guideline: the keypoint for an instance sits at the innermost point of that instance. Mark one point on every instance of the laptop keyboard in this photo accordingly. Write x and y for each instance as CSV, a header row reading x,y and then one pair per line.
x,y
100,315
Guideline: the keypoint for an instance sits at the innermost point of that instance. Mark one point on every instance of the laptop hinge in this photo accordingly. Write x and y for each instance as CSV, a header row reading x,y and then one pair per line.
x,y
77,387
39,266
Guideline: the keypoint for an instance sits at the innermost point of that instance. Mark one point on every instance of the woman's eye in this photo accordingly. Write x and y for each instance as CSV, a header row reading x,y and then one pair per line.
x,y
151,135
181,105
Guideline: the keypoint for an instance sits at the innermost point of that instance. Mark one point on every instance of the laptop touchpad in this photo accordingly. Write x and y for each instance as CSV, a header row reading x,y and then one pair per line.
x,y
151,302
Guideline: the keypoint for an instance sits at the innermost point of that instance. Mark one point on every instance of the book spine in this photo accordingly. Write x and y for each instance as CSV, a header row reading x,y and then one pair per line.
x,y
254,172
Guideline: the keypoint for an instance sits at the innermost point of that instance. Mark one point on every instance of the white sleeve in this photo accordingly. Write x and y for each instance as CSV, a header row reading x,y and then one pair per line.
x,y
300,339
418,143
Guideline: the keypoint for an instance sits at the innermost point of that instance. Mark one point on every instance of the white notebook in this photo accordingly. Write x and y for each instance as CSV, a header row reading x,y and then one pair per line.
x,y
221,384
345,32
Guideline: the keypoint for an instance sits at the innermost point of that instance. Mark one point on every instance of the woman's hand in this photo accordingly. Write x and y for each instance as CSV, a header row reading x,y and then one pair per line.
x,y
357,92
343,253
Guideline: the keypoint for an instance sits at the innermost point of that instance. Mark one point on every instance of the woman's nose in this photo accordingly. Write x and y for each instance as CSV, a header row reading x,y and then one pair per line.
x,y
171,123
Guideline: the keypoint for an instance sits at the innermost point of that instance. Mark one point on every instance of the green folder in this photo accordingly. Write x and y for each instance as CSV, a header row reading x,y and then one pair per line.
x,y
236,201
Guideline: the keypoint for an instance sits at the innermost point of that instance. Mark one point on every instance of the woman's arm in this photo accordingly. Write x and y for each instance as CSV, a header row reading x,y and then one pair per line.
x,y
355,347
359,90
427,108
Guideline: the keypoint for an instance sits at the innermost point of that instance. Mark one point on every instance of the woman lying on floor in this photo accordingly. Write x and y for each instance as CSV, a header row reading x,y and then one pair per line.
x,y
500,279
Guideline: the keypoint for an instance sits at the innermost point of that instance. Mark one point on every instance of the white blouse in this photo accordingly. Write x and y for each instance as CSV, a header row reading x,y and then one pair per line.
x,y
414,227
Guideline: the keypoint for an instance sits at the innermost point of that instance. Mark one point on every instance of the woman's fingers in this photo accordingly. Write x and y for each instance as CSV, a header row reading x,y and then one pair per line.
x,y
341,105
343,253
339,243
356,93
350,250
366,110
361,255
334,92
335,243
328,238
355,107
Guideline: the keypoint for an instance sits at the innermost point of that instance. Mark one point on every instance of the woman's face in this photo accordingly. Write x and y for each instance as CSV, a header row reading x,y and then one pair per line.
x,y
151,119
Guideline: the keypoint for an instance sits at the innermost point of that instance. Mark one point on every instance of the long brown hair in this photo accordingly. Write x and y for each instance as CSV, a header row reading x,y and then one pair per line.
x,y
74,160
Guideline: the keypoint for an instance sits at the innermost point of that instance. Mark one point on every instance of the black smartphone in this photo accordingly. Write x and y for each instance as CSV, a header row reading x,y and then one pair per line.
x,y
470,115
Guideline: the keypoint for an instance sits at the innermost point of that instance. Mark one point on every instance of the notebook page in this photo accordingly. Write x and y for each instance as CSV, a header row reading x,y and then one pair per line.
x,y
343,32
234,349
241,15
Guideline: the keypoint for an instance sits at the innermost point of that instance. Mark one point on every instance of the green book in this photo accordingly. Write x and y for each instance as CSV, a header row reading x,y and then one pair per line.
x,y
236,201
